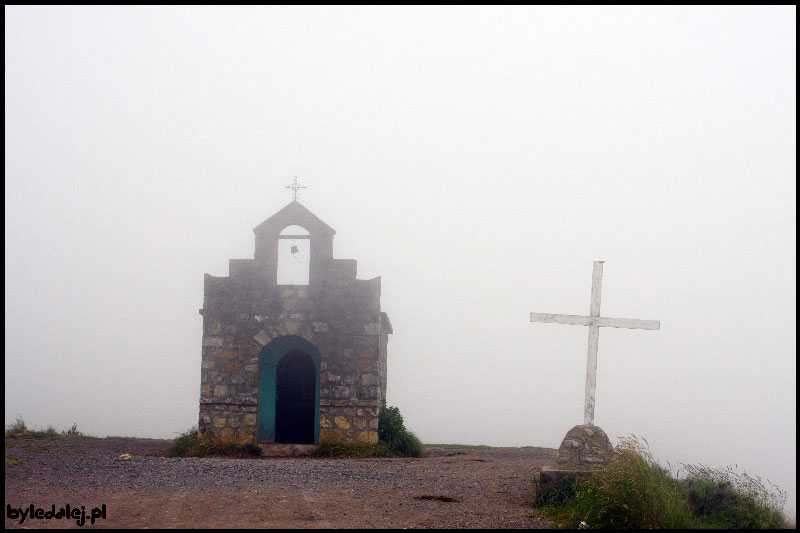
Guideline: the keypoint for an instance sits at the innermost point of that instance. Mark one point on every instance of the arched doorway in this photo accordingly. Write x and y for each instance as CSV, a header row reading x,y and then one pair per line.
x,y
288,391
294,399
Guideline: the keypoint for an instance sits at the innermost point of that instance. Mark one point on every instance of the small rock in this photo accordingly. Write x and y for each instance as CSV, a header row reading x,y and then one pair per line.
x,y
125,457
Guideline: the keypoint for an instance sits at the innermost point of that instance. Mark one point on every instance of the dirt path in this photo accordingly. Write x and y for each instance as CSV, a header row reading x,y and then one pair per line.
x,y
490,488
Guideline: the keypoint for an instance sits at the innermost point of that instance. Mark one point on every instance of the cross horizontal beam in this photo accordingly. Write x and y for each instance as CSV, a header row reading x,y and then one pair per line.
x,y
603,321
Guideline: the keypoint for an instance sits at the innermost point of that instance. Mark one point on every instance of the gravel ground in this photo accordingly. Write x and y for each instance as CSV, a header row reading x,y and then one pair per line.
x,y
489,488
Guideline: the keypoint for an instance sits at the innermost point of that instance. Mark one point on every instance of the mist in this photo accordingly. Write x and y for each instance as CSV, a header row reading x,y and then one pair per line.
x,y
477,159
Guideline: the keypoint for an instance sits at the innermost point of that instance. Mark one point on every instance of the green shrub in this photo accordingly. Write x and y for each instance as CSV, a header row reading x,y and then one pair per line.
x,y
723,498
392,431
636,492
16,428
189,444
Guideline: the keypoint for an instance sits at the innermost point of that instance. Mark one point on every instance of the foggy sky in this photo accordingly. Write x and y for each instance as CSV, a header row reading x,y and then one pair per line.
x,y
477,159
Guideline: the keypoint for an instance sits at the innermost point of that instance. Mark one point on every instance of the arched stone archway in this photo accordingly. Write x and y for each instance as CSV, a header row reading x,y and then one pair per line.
x,y
288,392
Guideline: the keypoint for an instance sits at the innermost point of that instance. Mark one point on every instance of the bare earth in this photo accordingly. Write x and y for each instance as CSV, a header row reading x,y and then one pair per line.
x,y
491,488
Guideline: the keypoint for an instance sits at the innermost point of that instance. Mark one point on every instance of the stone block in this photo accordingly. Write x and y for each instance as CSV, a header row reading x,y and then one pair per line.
x,y
212,341
331,435
223,353
245,436
369,379
342,422
370,437
249,420
340,391
219,422
366,352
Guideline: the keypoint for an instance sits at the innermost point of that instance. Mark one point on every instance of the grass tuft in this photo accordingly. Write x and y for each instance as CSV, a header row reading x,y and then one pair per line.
x,y
190,444
634,491
16,428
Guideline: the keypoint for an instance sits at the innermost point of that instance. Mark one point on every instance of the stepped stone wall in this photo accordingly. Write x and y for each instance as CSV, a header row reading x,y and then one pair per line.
x,y
338,314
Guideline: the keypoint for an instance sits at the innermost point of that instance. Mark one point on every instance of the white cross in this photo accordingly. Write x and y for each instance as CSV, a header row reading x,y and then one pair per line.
x,y
594,321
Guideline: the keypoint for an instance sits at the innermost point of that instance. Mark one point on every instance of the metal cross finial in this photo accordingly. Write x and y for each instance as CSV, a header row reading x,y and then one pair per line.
x,y
294,186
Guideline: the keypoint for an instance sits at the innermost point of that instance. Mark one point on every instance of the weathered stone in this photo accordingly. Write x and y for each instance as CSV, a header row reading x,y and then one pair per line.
x,y
366,352
369,379
223,353
226,435
262,338
336,312
219,422
584,448
370,437
213,341
245,436
330,435
340,391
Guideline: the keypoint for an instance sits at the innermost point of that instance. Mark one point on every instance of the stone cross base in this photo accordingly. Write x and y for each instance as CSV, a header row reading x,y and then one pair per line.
x,y
584,450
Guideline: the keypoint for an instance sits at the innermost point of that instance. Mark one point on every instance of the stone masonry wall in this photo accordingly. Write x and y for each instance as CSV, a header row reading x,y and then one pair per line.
x,y
338,314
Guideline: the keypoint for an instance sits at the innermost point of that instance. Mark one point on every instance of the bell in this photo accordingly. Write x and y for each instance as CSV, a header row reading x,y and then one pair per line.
x,y
294,249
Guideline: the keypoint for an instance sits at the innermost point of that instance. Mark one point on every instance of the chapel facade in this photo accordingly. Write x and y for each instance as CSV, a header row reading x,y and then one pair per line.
x,y
293,364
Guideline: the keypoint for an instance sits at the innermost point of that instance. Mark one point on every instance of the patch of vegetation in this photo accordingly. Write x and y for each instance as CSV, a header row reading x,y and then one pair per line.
x,y
190,444
356,450
724,498
19,430
634,491
12,461
392,431
16,428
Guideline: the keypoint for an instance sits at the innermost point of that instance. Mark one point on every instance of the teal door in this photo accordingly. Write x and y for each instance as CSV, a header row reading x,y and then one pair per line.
x,y
288,392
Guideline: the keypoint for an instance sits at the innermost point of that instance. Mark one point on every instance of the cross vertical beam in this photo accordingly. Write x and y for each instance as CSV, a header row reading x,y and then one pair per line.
x,y
594,321
594,337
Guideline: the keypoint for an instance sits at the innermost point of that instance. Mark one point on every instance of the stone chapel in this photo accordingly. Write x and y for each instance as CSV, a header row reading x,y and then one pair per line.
x,y
292,364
